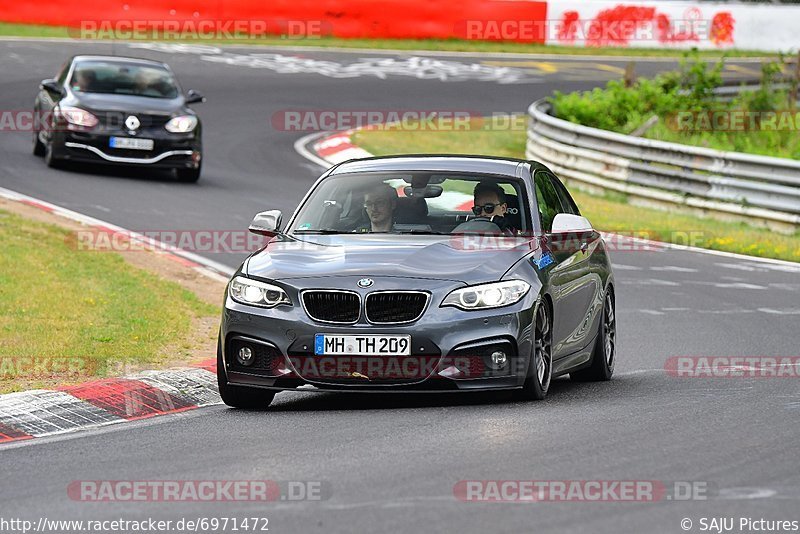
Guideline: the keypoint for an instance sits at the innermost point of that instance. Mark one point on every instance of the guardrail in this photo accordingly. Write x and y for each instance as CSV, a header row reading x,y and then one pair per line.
x,y
732,185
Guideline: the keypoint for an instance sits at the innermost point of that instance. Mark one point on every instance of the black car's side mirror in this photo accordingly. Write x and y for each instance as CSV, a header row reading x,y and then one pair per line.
x,y
194,97
52,86
267,223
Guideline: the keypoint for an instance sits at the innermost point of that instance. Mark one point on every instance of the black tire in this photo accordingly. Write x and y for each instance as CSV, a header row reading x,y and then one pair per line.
x,y
49,159
188,176
604,355
237,396
38,146
540,368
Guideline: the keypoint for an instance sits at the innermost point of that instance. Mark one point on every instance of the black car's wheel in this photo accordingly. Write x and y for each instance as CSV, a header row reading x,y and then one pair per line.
x,y
50,159
188,175
38,146
605,348
237,396
540,369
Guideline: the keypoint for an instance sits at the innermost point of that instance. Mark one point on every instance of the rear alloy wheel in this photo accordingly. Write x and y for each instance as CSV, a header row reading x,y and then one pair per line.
x,y
238,396
540,369
605,349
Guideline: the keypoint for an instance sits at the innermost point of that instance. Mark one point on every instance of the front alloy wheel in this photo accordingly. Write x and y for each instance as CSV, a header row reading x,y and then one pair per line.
x,y
604,355
540,369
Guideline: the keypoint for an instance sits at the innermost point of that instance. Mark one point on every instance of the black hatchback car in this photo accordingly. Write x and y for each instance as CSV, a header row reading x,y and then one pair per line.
x,y
118,111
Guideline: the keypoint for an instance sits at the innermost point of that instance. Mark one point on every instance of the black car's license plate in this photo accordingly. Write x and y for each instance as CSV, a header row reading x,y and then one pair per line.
x,y
362,345
131,143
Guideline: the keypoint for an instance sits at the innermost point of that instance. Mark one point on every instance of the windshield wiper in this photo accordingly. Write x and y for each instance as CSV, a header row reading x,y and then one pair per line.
x,y
422,232
322,231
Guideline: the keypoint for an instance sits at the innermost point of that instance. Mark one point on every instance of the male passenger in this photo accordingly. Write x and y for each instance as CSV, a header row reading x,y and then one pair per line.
x,y
380,203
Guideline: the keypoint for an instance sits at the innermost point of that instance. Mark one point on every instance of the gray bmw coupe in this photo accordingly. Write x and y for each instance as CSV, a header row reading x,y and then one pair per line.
x,y
421,273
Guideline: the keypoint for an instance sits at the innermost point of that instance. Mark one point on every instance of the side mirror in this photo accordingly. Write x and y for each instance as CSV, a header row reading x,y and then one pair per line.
x,y
52,86
566,223
194,97
267,223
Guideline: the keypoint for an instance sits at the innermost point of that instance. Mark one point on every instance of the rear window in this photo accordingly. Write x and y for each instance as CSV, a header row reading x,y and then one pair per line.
x,y
107,77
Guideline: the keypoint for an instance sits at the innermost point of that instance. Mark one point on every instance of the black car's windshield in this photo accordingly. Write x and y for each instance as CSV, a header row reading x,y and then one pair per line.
x,y
415,203
126,78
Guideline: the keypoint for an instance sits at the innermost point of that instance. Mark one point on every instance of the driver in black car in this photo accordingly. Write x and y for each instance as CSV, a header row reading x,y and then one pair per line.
x,y
490,203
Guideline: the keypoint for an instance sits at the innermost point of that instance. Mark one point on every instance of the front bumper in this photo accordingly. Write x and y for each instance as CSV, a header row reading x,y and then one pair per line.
x,y
450,350
170,151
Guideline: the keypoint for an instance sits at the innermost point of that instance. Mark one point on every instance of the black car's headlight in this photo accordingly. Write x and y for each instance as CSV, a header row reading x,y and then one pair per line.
x,y
255,293
484,296
182,124
76,116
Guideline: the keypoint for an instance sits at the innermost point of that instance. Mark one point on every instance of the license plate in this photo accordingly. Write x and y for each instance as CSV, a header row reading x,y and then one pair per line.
x,y
131,143
365,345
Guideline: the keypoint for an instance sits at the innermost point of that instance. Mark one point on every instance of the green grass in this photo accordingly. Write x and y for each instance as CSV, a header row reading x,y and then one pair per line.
x,y
609,212
781,144
440,45
80,313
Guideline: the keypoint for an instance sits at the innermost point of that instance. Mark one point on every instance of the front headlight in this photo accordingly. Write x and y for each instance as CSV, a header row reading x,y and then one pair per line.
x,y
182,124
255,293
494,295
77,116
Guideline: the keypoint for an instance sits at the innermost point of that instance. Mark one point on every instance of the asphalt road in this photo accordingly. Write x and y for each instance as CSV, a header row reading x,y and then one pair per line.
x,y
391,462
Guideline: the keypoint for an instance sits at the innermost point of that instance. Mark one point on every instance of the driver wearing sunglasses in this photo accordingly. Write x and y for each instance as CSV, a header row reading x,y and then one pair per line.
x,y
490,203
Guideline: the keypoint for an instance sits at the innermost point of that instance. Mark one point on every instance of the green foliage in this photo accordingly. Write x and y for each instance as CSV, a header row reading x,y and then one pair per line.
x,y
689,89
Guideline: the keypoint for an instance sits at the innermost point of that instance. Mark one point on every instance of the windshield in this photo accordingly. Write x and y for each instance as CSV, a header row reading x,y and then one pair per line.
x,y
123,79
420,202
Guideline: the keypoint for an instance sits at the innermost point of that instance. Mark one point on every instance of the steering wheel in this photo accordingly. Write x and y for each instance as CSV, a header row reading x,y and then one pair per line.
x,y
478,225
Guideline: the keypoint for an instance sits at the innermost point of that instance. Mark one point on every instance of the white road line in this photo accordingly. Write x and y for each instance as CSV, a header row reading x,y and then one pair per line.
x,y
623,267
738,285
300,148
674,268
785,311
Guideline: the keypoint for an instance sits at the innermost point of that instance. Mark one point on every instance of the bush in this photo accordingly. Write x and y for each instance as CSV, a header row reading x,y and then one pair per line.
x,y
690,88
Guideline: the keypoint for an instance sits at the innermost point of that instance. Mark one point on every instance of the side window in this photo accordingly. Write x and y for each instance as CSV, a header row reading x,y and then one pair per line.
x,y
547,198
567,203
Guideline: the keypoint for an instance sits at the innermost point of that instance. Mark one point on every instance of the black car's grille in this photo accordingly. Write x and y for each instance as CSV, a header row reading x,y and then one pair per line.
x,y
115,120
395,306
332,306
